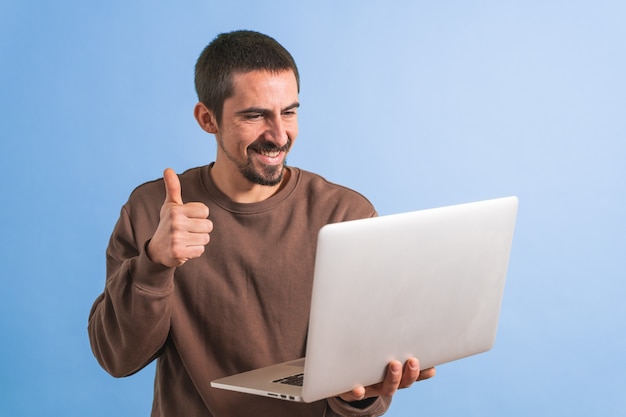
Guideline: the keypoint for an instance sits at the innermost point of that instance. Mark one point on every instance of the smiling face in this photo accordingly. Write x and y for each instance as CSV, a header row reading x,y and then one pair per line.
x,y
259,125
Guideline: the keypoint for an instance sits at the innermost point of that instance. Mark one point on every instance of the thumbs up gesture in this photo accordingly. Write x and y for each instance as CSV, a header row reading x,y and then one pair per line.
x,y
183,229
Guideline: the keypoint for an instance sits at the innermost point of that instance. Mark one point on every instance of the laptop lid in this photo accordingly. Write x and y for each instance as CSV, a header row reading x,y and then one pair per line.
x,y
425,284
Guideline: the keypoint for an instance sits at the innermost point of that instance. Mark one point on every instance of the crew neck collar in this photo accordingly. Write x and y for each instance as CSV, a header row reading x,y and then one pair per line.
x,y
226,203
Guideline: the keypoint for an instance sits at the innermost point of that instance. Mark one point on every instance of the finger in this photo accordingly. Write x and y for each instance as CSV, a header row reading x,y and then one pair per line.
x,y
427,373
356,394
392,380
172,187
200,226
196,210
411,373
196,239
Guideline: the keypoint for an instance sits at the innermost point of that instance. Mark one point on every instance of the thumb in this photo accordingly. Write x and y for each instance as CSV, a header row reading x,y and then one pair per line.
x,y
172,187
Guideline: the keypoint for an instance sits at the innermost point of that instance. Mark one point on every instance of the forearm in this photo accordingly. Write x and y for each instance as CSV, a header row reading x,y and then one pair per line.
x,y
129,322
374,408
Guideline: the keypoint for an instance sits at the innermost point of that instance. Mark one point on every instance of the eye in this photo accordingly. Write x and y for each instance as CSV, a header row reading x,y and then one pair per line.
x,y
252,116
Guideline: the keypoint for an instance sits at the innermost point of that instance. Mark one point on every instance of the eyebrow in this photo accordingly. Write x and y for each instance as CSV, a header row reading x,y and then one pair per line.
x,y
261,110
293,106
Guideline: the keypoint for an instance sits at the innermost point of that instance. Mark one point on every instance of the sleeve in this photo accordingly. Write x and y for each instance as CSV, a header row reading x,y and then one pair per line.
x,y
129,322
367,408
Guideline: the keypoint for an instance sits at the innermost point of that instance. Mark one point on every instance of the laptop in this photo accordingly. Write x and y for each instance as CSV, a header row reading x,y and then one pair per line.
x,y
425,284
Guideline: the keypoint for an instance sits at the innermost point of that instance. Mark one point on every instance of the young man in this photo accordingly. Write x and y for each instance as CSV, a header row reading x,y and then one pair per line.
x,y
206,310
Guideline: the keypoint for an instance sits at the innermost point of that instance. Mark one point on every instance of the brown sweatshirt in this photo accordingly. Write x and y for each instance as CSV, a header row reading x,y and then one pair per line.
x,y
242,305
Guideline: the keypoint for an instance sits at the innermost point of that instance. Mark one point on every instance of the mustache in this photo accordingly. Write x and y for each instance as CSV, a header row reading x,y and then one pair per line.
x,y
261,145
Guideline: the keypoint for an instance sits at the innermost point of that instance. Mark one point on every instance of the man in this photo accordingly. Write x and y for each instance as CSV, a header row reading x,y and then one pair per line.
x,y
206,310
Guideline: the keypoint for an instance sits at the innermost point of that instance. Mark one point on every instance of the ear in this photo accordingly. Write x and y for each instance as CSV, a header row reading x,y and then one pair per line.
x,y
205,118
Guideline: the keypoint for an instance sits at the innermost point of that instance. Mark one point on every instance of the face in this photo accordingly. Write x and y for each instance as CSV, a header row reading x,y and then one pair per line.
x,y
258,127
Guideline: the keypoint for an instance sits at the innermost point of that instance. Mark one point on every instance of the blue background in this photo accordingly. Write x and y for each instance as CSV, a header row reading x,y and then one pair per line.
x,y
416,104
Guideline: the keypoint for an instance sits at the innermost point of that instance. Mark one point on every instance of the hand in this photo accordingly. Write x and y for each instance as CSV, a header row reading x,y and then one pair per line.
x,y
396,378
183,229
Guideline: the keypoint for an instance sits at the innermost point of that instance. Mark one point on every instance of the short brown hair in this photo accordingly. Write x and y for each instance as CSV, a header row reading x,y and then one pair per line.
x,y
236,52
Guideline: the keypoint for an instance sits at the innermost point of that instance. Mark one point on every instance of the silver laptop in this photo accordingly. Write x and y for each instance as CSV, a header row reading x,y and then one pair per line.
x,y
425,284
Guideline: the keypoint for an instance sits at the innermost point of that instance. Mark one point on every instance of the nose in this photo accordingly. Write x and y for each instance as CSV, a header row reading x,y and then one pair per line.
x,y
276,131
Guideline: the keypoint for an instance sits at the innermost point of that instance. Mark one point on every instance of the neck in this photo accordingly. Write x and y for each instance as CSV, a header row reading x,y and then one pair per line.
x,y
241,190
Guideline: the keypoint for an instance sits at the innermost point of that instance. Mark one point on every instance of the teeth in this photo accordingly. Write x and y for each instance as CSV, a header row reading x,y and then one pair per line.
x,y
271,154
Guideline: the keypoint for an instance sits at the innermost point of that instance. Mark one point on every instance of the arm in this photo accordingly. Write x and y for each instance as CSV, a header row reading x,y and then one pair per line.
x,y
130,321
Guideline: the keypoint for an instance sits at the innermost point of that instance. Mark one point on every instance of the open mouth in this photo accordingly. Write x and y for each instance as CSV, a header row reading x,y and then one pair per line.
x,y
271,154
269,151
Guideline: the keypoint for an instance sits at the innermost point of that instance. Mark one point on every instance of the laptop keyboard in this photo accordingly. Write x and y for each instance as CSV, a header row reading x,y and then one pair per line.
x,y
291,380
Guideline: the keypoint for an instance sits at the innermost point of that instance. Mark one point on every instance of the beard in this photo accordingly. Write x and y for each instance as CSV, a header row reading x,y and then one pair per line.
x,y
268,175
